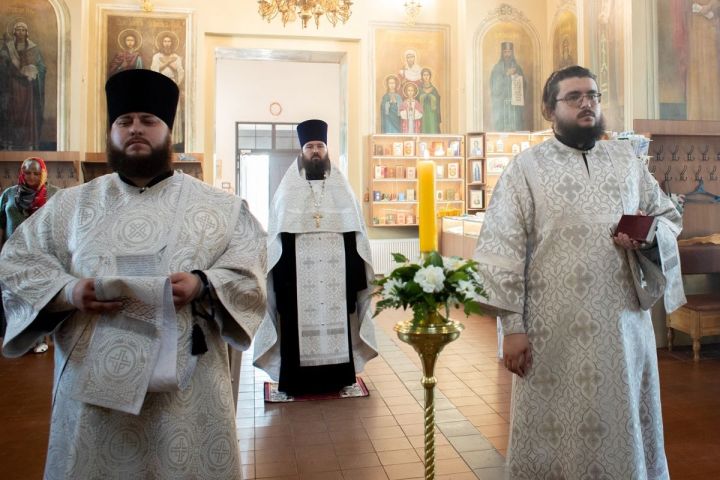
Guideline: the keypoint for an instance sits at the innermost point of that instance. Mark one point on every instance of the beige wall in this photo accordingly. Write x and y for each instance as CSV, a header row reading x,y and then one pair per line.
x,y
480,15
236,24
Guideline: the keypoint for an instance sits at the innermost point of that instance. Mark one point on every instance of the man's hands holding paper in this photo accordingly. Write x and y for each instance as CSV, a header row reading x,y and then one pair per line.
x,y
85,300
185,288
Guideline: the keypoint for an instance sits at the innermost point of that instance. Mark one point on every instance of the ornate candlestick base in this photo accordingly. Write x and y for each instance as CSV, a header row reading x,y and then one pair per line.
x,y
428,338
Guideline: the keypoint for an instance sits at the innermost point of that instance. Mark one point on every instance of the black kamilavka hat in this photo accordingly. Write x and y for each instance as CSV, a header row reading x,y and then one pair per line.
x,y
139,90
312,130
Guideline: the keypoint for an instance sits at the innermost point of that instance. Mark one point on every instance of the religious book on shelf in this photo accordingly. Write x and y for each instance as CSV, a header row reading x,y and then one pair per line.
x,y
409,148
638,227
393,161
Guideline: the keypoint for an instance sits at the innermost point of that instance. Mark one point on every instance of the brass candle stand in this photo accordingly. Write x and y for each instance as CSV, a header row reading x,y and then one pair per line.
x,y
428,337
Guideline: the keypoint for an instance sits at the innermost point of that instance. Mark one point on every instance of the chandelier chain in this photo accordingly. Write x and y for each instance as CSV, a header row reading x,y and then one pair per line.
x,y
412,10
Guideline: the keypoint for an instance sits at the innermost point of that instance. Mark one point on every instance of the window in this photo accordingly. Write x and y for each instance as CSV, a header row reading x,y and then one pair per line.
x,y
267,136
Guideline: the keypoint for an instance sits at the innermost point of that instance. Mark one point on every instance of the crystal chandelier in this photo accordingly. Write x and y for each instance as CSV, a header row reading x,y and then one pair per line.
x,y
289,10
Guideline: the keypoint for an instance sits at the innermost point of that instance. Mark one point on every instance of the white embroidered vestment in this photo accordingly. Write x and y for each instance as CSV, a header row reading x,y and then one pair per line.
x,y
101,229
590,405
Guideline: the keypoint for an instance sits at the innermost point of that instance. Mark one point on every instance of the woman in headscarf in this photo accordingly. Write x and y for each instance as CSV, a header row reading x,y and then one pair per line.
x,y
20,201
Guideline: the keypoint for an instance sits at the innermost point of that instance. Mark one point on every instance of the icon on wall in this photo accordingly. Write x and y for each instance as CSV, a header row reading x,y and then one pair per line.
x,y
411,73
159,41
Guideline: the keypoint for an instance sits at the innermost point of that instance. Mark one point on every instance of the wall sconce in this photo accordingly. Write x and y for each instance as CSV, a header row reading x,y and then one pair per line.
x,y
412,10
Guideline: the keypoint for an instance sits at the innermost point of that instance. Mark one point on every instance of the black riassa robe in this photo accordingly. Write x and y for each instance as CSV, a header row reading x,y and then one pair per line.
x,y
294,379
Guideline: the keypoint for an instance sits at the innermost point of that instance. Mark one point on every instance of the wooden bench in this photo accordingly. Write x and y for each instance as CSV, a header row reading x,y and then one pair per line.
x,y
700,316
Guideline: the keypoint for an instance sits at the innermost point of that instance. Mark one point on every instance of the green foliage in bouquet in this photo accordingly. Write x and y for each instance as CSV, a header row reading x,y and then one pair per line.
x,y
432,283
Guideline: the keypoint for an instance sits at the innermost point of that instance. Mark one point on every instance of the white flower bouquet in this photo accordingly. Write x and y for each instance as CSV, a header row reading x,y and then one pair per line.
x,y
433,283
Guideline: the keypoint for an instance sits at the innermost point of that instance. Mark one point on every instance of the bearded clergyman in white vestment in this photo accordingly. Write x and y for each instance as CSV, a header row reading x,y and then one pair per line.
x,y
318,331
573,296
142,276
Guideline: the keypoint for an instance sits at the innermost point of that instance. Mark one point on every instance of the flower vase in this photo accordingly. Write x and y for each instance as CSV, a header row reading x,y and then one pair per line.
x,y
428,337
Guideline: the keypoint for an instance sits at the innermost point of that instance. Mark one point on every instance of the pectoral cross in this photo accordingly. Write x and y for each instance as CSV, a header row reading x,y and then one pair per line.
x,y
317,218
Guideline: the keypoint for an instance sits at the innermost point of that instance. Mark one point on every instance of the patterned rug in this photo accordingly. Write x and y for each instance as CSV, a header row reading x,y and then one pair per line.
x,y
357,389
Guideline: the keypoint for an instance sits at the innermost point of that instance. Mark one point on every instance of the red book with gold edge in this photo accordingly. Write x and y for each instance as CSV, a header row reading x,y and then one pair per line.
x,y
638,227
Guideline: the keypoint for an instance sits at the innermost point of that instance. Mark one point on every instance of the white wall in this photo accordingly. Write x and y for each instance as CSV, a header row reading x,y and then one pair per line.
x,y
248,87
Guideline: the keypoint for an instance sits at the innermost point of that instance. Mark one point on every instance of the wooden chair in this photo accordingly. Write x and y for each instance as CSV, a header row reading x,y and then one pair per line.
x,y
700,316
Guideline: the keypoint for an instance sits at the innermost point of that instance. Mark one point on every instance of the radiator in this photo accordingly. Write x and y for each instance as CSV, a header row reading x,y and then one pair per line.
x,y
382,251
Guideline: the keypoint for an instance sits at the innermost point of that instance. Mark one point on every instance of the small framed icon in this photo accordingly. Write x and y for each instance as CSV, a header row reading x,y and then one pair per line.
x,y
476,198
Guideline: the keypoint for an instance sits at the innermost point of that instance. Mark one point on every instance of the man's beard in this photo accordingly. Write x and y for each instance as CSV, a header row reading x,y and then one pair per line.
x,y
574,134
316,166
158,161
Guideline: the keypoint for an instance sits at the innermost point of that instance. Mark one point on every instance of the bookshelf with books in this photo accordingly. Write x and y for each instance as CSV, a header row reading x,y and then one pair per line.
x,y
501,148
475,165
393,176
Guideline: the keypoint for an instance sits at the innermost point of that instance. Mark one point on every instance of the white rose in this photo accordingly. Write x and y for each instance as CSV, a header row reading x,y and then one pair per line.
x,y
452,263
430,278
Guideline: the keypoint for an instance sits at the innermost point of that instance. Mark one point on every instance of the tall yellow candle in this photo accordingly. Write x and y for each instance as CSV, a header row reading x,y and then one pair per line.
x,y
426,208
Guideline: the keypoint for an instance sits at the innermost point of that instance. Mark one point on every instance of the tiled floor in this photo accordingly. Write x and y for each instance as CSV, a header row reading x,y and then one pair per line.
x,y
381,436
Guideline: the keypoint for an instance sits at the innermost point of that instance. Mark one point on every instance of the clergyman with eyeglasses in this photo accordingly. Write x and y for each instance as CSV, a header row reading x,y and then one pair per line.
x,y
318,330
576,328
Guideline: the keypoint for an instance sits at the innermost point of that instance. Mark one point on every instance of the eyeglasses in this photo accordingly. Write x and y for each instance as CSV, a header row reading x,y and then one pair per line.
x,y
576,99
